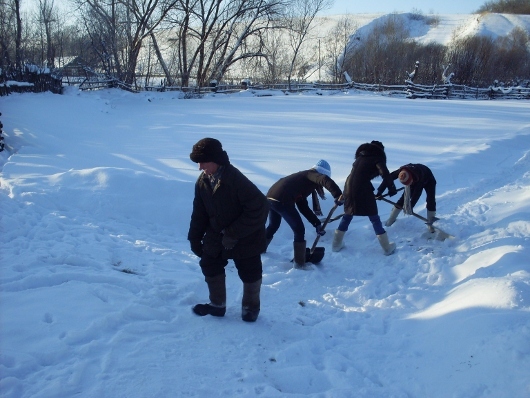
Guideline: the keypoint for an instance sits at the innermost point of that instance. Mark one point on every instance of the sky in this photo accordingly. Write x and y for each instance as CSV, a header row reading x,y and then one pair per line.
x,y
97,279
389,6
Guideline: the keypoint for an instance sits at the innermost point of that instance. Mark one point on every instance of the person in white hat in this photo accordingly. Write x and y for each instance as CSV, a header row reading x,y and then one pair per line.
x,y
416,178
290,193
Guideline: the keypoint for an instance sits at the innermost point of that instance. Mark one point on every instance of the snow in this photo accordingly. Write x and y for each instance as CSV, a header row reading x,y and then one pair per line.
x,y
435,28
97,278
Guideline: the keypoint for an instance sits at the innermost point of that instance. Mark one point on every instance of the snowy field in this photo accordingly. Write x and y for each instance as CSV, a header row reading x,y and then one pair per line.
x,y
97,279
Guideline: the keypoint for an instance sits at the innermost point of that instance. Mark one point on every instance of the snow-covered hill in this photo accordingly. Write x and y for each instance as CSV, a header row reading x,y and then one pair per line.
x,y
436,28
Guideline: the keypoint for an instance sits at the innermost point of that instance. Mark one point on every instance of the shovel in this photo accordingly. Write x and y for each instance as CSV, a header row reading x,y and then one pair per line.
x,y
316,254
441,235
340,215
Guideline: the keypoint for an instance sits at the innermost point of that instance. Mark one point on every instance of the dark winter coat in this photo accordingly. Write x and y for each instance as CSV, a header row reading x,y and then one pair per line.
x,y
359,198
295,188
422,179
421,175
235,206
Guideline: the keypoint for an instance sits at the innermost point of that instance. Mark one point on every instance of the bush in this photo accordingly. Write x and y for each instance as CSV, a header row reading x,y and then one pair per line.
x,y
506,7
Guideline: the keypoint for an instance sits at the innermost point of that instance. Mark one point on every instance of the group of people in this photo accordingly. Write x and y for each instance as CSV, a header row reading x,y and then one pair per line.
x,y
229,215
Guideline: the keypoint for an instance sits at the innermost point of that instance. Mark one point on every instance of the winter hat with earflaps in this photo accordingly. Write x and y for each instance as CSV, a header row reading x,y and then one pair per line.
x,y
322,167
405,177
209,150
378,144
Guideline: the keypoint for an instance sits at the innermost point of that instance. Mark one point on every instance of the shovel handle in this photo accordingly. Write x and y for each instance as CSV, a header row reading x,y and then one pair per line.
x,y
414,214
377,197
326,221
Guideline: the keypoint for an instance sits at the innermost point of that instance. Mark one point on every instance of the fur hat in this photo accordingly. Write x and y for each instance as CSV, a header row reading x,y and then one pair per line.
x,y
209,150
323,167
378,144
405,177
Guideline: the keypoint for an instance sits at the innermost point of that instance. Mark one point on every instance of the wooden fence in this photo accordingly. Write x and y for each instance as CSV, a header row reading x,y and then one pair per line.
x,y
39,82
32,82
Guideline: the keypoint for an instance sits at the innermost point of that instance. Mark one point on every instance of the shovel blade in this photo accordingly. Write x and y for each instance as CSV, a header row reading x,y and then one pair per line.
x,y
315,257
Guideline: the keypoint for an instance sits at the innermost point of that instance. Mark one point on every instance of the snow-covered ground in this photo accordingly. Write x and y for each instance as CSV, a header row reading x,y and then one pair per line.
x,y
97,279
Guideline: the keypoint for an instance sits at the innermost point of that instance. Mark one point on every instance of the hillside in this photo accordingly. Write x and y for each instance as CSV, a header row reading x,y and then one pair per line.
x,y
436,28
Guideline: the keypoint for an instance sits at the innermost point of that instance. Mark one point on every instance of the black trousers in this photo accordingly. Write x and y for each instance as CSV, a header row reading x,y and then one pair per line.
x,y
249,269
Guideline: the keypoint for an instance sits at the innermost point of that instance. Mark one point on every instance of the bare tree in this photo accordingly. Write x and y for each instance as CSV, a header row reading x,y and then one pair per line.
x,y
118,29
300,17
10,27
339,42
273,67
47,17
469,58
214,35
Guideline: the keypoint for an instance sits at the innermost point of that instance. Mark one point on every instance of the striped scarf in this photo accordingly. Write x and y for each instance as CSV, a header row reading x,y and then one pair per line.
x,y
407,208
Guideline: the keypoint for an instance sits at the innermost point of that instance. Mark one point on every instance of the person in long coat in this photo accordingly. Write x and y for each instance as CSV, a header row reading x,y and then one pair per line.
x,y
358,195
227,222
416,178
290,193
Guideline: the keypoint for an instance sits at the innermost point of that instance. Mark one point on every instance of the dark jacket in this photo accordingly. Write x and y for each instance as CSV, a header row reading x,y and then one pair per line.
x,y
295,188
359,198
420,173
235,206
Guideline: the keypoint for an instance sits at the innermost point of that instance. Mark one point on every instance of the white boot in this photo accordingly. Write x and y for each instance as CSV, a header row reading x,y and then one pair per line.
x,y
393,216
337,244
388,248
430,219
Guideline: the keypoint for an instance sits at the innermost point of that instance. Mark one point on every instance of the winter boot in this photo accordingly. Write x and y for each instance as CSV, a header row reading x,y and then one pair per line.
x,y
217,305
430,220
299,255
337,244
388,248
250,304
393,216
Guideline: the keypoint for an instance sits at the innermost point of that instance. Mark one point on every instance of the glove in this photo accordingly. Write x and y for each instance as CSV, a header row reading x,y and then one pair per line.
x,y
339,201
229,242
320,231
392,190
196,247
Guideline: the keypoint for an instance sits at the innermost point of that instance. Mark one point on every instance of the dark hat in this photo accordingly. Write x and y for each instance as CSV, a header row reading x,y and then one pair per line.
x,y
378,144
405,177
209,150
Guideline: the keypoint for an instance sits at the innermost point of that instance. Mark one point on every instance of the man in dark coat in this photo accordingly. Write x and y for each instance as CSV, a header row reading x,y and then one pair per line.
x,y
292,191
227,222
359,198
416,178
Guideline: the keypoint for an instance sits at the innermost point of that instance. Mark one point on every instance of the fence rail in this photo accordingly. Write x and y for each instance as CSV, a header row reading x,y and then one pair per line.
x,y
38,82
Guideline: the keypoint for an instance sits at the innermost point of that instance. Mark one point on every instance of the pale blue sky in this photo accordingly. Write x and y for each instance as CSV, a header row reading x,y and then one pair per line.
x,y
388,6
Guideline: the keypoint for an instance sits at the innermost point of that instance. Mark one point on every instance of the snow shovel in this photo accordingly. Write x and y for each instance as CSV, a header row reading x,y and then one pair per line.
x,y
340,215
441,235
316,254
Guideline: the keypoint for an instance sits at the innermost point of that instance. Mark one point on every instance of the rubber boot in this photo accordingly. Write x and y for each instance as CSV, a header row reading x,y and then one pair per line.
x,y
217,305
337,244
250,305
299,254
388,248
393,216
430,220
